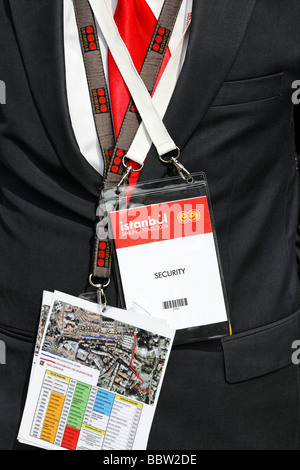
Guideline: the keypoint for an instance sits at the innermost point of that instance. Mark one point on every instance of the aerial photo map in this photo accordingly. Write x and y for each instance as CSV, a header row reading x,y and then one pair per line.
x,y
130,360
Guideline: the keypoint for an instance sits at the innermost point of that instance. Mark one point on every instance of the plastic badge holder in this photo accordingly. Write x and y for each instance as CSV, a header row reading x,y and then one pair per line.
x,y
212,318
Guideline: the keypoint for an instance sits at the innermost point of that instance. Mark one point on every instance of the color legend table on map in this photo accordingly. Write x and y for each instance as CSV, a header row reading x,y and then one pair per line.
x,y
77,416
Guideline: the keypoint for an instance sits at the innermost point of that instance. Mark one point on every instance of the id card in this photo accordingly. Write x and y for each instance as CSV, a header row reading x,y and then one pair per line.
x,y
168,262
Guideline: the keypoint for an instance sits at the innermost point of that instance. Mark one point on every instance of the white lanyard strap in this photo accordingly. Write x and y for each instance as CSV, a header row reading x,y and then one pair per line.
x,y
161,98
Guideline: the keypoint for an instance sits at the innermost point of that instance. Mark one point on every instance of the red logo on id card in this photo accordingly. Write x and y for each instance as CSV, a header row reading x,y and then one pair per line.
x,y
157,222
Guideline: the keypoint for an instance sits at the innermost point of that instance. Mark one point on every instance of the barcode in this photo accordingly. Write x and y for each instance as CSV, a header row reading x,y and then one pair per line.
x,y
175,303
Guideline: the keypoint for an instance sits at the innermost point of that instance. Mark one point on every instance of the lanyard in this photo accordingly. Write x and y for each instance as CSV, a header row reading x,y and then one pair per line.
x,y
115,149
141,87
133,80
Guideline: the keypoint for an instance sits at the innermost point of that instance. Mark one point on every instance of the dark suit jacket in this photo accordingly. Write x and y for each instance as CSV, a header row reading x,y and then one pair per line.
x,y
232,116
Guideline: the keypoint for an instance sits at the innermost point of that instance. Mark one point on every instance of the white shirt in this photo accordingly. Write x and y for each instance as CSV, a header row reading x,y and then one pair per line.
x,y
76,82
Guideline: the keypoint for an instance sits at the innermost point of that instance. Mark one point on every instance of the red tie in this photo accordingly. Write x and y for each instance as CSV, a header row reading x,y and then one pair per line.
x,y
136,24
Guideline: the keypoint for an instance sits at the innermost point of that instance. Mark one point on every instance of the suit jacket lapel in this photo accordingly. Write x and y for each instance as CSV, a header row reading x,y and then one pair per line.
x,y
217,30
39,31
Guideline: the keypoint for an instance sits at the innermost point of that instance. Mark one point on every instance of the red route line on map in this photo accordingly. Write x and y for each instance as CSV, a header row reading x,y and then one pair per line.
x,y
131,363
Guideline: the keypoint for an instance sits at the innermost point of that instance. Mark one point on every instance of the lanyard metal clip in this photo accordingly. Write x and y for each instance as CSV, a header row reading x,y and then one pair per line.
x,y
125,177
183,172
101,296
